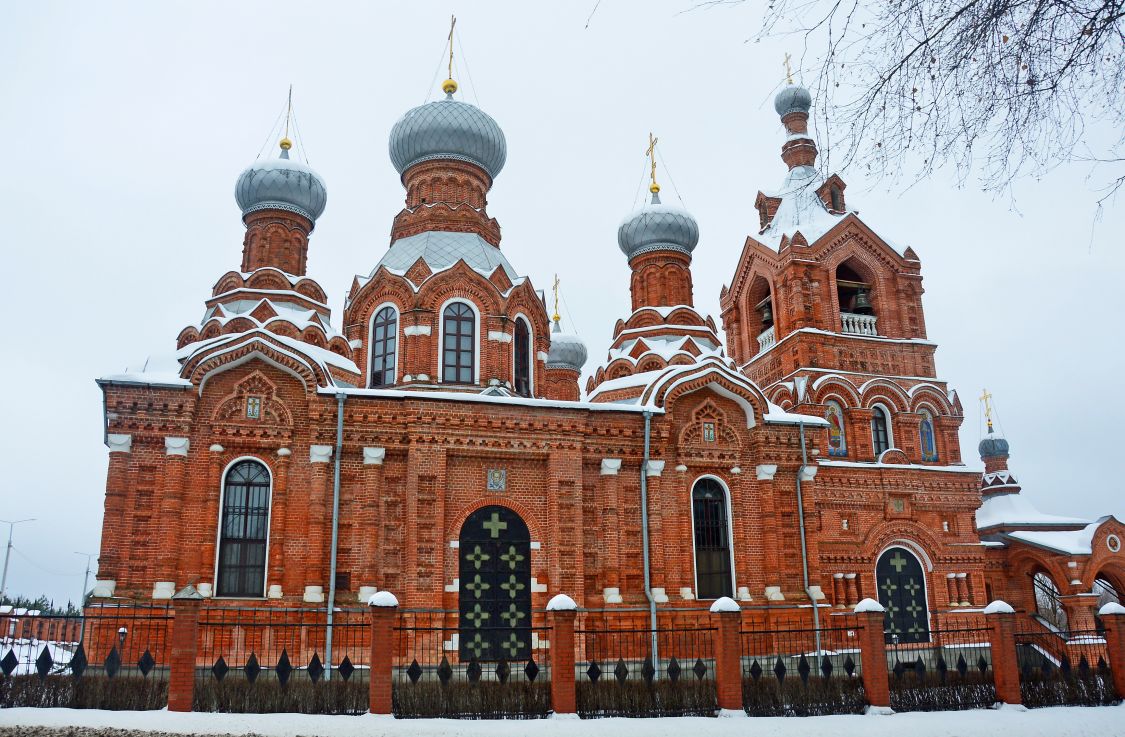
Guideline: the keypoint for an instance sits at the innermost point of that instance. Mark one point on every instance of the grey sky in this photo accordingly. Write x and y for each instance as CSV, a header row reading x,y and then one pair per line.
x,y
124,127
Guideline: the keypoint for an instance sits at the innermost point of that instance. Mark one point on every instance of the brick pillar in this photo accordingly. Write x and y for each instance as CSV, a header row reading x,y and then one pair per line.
x,y
1113,617
561,611
185,631
1001,619
873,652
728,654
384,611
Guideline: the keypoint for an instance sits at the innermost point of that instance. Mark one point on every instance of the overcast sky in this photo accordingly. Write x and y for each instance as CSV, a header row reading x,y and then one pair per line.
x,y
124,127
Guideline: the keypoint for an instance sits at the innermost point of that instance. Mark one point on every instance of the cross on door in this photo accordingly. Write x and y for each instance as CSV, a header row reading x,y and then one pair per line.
x,y
898,562
495,525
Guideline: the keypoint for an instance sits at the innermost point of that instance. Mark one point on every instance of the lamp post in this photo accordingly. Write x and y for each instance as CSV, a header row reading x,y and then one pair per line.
x,y
8,554
82,598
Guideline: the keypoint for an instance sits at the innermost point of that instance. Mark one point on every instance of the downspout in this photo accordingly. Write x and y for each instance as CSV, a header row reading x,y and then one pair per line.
x,y
645,543
804,544
340,397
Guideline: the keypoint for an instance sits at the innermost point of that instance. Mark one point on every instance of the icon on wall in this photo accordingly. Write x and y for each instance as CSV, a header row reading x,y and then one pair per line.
x,y
497,479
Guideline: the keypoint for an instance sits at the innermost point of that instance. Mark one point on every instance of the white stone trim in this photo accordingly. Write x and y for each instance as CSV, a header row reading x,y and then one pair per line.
x,y
216,448
655,468
535,545
366,592
374,457
104,587
612,595
766,471
499,336
610,466
454,543
176,446
538,588
808,473
659,595
686,593
314,594
274,591
542,356
773,593
320,454
119,443
163,589
412,330
205,589
284,452
452,588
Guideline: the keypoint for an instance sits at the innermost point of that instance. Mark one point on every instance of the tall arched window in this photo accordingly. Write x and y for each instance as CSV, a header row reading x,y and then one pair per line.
x,y
712,540
901,584
459,331
926,437
384,343
837,436
494,573
1048,601
523,358
880,430
243,530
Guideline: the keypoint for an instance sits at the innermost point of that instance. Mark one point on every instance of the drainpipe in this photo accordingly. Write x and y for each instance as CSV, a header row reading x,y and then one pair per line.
x,y
340,397
804,544
645,543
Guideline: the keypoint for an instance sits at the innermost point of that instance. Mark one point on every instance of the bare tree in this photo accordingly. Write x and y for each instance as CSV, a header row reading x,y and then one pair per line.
x,y
1006,88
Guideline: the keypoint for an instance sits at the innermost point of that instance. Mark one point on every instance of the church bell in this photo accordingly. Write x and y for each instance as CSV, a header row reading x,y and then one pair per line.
x,y
767,314
862,305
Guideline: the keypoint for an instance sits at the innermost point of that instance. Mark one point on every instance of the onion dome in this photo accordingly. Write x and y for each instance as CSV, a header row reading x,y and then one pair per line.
x,y
567,350
281,184
993,446
657,227
793,98
448,129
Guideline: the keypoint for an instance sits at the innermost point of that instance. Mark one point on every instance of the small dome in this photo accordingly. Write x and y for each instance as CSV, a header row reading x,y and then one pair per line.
x,y
793,98
567,350
448,129
281,184
993,446
657,227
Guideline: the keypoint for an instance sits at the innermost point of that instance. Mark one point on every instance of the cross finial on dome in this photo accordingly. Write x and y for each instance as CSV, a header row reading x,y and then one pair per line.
x,y
788,69
650,152
987,399
449,86
555,286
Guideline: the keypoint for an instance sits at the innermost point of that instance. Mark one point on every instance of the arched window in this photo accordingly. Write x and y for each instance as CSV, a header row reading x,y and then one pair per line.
x,y
880,430
837,436
243,530
384,343
494,572
902,592
926,437
1048,601
1107,594
523,358
712,540
459,331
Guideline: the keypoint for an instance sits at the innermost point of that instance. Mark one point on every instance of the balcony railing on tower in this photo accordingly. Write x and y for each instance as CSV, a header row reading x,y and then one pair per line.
x,y
857,324
767,338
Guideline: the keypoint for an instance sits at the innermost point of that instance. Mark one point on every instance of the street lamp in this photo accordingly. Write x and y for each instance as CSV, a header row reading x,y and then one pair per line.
x,y
8,554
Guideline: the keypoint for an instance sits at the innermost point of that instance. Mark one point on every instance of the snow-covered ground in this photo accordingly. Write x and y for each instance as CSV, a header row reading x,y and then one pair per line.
x,y
1102,721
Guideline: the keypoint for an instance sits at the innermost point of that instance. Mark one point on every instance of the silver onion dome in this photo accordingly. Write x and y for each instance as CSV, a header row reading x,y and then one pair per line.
x,y
281,184
567,350
448,129
793,98
657,227
993,446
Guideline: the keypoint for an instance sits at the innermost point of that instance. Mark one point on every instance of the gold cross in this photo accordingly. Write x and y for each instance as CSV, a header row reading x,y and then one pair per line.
x,y
555,317
788,69
452,25
651,153
986,398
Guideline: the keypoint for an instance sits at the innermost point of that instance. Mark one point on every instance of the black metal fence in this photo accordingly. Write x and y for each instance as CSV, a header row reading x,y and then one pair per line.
x,y
952,671
111,657
1064,668
802,672
644,672
434,676
258,660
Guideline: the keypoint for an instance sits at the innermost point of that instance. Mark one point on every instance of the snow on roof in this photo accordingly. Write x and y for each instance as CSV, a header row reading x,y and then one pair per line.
x,y
801,209
626,382
914,466
666,310
161,369
442,250
1016,510
666,346
488,399
778,416
1071,542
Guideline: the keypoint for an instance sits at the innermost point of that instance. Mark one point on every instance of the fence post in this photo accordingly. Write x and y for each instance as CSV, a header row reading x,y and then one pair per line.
x,y
561,611
384,609
873,653
1113,617
185,631
728,655
1001,620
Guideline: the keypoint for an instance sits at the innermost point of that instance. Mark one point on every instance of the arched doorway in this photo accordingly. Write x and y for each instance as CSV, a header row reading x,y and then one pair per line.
x,y
1048,601
901,582
494,568
712,540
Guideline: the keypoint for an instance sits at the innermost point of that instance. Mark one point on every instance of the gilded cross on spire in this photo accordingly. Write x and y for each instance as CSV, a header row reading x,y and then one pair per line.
x,y
285,143
788,68
449,86
987,399
651,153
555,286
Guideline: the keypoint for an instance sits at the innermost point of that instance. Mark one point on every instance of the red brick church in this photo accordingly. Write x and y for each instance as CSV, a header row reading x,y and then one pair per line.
x,y
434,440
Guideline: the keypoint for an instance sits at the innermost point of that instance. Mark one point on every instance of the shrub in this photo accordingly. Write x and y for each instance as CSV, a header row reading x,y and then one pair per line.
x,y
133,693
466,700
267,695
766,696
636,698
931,692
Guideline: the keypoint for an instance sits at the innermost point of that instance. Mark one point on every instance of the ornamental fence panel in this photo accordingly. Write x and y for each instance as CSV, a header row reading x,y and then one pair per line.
x,y
262,660
802,672
438,671
109,657
952,671
633,671
1064,668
